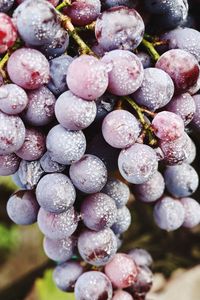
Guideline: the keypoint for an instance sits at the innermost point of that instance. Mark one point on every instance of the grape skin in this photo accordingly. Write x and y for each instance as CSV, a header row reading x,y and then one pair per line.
x,y
8,32
192,212
123,220
141,257
145,59
9,164
196,118
192,154
122,295
50,166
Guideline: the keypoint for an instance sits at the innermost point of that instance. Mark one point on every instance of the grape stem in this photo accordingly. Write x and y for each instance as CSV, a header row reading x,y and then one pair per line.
x,y
3,61
63,4
151,49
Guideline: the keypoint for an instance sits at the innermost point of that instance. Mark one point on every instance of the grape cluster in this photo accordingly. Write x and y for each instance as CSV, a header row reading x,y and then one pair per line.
x,y
80,129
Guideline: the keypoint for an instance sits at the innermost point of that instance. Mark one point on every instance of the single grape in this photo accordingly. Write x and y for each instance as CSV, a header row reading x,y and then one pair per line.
x,y
93,285
120,129
151,190
181,66
74,113
13,99
40,108
8,32
91,75
192,212
122,295
22,207
57,226
97,248
126,74
184,106
141,257
119,28
5,5
168,126
192,154
126,271
118,191
60,193
156,89
145,59
58,72
59,250
9,164
66,274
50,166
12,133
143,283
138,163
196,118
28,68
169,213
64,146
34,145
29,173
123,220
98,211
89,174
181,180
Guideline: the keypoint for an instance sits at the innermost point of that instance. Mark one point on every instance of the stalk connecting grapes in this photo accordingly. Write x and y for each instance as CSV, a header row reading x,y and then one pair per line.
x,y
92,109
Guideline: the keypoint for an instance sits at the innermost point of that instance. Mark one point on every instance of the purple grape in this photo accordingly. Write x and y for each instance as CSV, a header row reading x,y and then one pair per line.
x,y
184,106
126,74
169,213
40,109
126,271
181,66
141,257
122,295
138,163
64,146
120,129
195,88
22,207
29,173
13,99
60,193
12,133
74,113
93,285
98,211
119,28
145,59
9,164
192,212
5,5
118,191
196,118
50,166
156,90
91,75
97,248
143,283
66,274
105,104
151,190
58,72
192,154
181,180
8,33
89,174
59,250
57,226
168,126
123,220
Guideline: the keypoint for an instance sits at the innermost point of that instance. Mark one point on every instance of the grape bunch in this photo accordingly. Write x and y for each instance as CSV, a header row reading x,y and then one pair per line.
x,y
93,109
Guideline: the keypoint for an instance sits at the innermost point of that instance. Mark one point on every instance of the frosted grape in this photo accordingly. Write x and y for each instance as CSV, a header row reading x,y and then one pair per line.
x,y
122,295
50,166
9,164
192,154
123,220
8,32
196,118
29,173
141,257
59,250
192,212
143,283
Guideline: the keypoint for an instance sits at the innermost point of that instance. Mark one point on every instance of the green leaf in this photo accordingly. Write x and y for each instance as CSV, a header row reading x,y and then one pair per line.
x,y
47,290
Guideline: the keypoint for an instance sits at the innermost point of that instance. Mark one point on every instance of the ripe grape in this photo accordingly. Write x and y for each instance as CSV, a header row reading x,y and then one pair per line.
x,y
122,295
13,99
120,129
57,226
12,133
138,163
143,283
196,118
74,113
123,220
59,250
97,248
168,126
40,108
126,271
119,28
33,66
9,164
91,75
22,207
66,274
145,59
98,211
192,154
169,213
5,5
89,174
8,32
156,90
141,257
118,191
50,166
192,212
64,146
126,74
181,180
181,66
93,285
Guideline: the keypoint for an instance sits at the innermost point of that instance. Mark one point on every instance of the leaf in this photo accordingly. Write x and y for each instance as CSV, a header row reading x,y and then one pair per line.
x,y
47,290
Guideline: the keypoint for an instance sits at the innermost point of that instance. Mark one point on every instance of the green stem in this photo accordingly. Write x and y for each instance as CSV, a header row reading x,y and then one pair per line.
x,y
63,4
152,51
3,61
